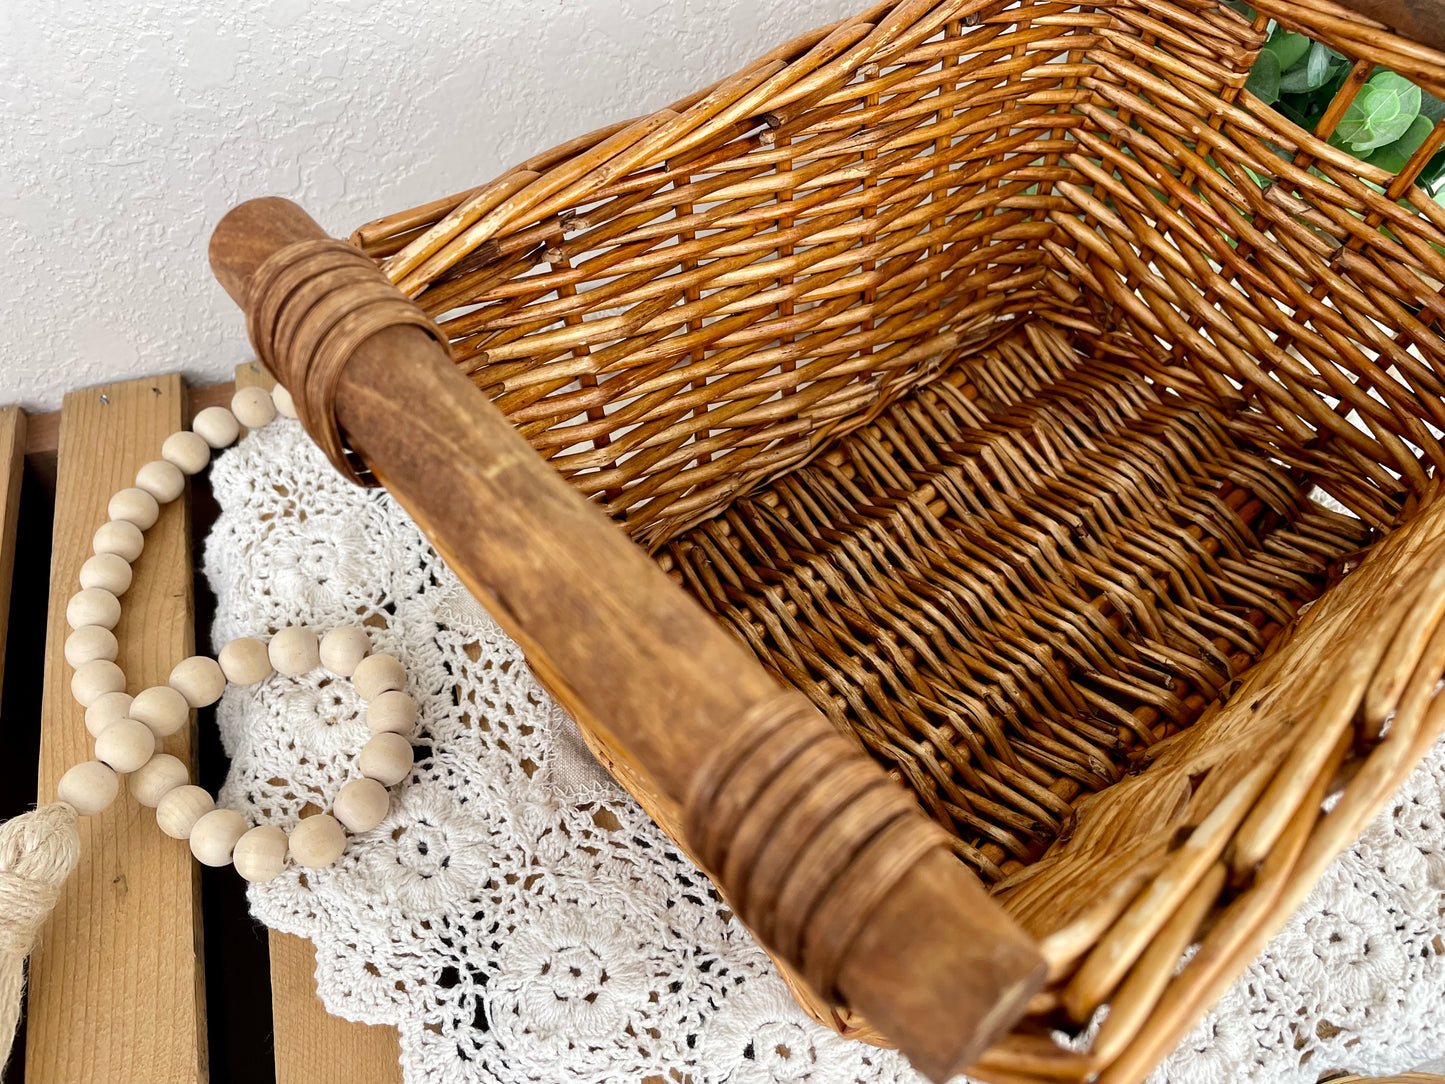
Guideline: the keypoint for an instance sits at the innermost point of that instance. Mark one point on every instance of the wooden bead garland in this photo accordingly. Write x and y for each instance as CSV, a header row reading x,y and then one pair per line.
x,y
128,729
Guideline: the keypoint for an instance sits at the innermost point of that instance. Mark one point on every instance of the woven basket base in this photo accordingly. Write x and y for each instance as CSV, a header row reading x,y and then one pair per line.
x,y
1016,580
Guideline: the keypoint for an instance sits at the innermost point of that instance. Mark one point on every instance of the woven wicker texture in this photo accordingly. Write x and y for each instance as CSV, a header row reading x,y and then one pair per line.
x,y
973,362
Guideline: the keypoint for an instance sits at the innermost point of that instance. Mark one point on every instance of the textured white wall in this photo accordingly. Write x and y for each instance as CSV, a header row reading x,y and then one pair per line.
x,y
128,128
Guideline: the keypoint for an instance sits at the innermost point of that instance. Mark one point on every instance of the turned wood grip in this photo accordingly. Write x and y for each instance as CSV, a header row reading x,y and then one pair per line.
x,y
862,891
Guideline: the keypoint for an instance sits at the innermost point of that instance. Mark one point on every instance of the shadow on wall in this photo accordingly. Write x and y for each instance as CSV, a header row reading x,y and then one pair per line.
x,y
128,128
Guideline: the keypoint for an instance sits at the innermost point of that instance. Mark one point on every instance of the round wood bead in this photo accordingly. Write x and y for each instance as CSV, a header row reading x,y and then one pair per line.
x,y
361,804
94,679
92,606
89,787
317,841
294,651
108,571
91,642
163,481
106,709
377,674
181,808
134,505
214,836
386,758
253,407
199,680
120,537
391,712
244,661
186,452
161,708
285,404
343,648
156,778
217,426
260,854
125,745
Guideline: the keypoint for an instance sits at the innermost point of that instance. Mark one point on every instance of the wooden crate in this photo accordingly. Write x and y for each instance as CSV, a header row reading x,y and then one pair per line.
x,y
117,984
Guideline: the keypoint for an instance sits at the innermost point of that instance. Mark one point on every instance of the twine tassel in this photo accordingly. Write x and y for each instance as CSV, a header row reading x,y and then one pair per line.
x,y
38,851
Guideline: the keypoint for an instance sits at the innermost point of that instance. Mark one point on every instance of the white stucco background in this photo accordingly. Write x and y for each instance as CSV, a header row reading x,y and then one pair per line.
x,y
128,128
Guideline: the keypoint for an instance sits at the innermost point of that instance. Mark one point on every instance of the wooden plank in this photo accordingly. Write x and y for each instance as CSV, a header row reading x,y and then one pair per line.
x,y
116,987
312,1046
43,431
12,465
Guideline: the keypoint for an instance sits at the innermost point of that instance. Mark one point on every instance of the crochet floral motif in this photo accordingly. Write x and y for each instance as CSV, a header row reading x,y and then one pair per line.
x,y
518,918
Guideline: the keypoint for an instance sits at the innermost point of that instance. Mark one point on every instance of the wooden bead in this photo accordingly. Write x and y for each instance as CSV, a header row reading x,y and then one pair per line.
x,y
156,778
294,651
134,505
106,709
253,407
161,708
377,674
91,642
386,758
120,537
186,452
342,648
108,571
92,606
214,836
217,426
244,661
392,712
317,841
179,810
285,405
89,787
199,680
125,745
94,679
163,481
361,805
260,854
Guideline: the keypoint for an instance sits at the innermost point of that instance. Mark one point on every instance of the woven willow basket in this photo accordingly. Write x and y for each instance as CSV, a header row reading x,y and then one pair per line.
x,y
980,366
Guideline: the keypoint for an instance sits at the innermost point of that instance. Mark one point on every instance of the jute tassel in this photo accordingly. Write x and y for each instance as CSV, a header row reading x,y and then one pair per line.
x,y
38,851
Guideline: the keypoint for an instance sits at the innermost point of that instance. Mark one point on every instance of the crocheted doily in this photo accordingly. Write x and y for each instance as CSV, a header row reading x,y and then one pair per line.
x,y
518,918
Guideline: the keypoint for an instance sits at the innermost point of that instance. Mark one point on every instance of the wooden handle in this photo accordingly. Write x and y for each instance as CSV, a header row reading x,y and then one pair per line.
x,y
935,964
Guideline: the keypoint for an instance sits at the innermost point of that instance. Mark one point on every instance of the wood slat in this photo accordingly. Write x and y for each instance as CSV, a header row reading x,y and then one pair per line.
x,y
12,466
117,993
312,1046
43,431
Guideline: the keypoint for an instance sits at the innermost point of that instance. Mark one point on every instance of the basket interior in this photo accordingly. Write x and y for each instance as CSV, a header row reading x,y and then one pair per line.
x,y
973,362
1016,580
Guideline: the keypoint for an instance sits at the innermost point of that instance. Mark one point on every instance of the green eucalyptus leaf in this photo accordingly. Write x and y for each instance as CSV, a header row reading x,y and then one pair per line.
x,y
1431,107
1431,175
1310,72
1394,156
1264,78
1288,48
1381,113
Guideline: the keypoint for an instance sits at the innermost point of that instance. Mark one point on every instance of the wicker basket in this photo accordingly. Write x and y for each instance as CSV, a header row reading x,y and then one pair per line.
x,y
980,365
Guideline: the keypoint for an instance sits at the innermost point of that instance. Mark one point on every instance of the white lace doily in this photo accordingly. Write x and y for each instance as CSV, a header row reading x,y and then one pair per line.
x,y
518,918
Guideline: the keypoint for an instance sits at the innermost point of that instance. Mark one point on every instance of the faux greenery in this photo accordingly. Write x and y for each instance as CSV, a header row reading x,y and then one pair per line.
x,y
1384,125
